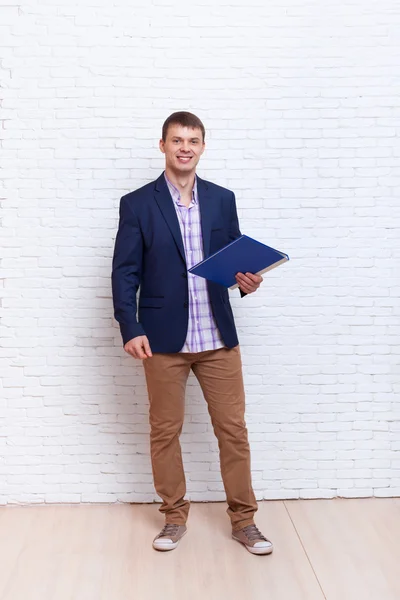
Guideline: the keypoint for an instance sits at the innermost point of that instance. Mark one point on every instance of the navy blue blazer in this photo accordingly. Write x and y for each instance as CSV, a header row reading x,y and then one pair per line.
x,y
149,254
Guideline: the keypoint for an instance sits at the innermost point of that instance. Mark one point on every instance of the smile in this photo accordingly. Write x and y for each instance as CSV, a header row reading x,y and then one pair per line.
x,y
184,159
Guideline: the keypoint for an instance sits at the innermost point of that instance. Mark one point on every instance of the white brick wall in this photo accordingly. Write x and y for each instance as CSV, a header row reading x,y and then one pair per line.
x,y
301,104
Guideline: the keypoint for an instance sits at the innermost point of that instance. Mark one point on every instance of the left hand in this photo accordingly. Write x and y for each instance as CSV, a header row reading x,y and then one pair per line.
x,y
248,282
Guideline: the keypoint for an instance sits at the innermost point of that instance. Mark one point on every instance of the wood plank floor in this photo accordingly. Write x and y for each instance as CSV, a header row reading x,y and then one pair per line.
x,y
324,549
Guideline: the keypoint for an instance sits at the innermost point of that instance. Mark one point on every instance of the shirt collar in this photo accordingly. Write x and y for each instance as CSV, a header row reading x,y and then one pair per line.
x,y
176,193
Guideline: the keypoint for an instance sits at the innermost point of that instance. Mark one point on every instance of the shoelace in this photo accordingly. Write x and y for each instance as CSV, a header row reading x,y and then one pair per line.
x,y
253,533
169,529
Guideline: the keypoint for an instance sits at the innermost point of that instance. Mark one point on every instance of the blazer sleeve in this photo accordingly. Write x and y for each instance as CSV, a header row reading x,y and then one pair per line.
x,y
234,230
126,271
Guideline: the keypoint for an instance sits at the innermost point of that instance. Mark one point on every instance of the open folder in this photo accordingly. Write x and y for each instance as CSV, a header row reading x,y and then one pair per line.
x,y
244,255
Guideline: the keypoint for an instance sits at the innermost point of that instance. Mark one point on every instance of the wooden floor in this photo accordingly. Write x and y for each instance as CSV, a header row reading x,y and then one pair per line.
x,y
334,549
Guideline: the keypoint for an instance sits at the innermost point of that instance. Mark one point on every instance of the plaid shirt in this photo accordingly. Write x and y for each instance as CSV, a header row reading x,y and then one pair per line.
x,y
203,333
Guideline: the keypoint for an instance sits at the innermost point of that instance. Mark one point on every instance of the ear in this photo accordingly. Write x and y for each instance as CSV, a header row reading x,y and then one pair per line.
x,y
161,145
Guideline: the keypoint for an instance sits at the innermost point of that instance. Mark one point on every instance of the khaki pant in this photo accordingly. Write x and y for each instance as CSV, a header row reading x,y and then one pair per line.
x,y
219,373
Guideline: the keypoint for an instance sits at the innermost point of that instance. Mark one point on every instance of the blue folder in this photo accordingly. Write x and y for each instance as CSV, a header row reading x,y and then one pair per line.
x,y
244,255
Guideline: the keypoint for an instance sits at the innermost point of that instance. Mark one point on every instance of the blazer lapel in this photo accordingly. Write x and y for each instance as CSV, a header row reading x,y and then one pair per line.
x,y
165,202
206,213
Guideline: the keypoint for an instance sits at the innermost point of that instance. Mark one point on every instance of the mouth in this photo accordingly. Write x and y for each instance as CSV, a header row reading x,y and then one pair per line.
x,y
184,159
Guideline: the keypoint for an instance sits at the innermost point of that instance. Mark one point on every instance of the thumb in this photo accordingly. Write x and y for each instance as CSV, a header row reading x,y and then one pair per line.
x,y
146,347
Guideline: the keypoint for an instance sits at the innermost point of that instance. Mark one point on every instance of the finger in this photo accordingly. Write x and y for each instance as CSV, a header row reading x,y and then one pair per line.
x,y
248,289
251,287
245,280
253,284
133,351
255,278
140,353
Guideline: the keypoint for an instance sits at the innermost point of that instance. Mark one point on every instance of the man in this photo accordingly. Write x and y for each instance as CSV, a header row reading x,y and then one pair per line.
x,y
185,322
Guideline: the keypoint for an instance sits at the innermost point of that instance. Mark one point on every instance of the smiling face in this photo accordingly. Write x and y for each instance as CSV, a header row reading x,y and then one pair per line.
x,y
182,147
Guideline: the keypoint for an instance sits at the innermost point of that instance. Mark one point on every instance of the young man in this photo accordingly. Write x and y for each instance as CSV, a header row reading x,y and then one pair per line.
x,y
185,322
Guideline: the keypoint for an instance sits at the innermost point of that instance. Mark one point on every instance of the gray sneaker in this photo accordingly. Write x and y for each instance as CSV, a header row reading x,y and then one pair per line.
x,y
169,537
252,538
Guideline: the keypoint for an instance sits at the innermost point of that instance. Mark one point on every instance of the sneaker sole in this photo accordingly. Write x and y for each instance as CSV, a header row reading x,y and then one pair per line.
x,y
253,550
167,547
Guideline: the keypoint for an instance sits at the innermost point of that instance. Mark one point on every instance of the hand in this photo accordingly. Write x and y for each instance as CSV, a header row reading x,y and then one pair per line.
x,y
138,347
248,282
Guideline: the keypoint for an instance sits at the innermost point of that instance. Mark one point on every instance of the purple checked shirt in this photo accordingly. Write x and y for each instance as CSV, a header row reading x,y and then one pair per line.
x,y
203,333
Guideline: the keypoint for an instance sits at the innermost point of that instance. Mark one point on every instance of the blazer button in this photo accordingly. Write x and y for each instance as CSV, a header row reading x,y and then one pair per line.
x,y
184,275
186,305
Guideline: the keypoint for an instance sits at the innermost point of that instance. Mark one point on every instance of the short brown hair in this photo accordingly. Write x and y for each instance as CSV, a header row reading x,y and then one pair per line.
x,y
186,119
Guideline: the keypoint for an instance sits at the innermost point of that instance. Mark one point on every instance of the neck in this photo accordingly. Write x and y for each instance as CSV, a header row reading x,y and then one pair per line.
x,y
183,181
